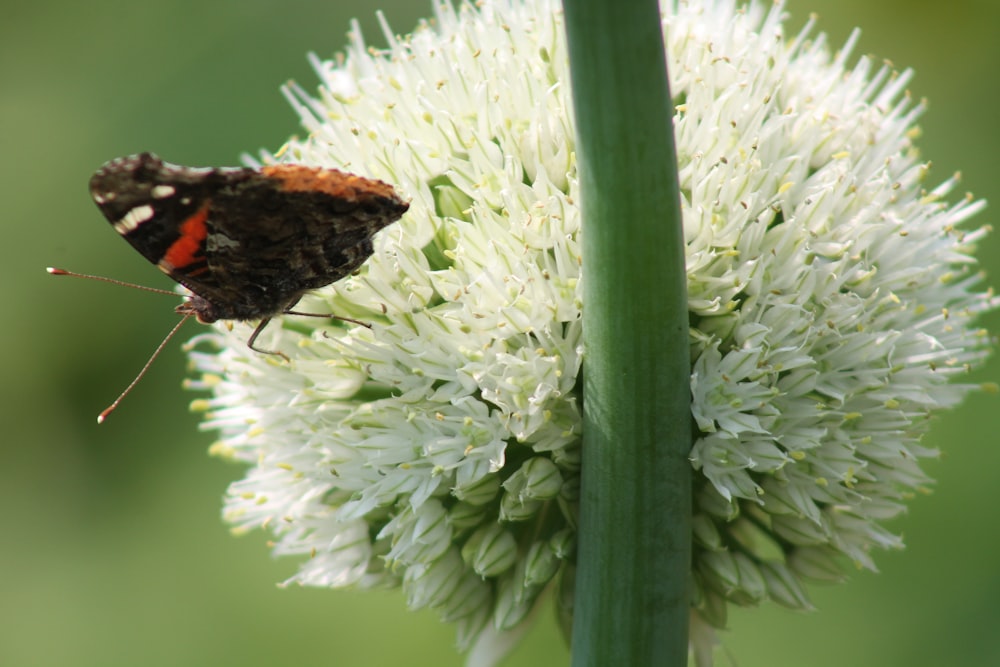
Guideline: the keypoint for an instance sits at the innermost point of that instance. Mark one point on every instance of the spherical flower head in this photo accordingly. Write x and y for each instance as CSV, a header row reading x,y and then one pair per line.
x,y
831,300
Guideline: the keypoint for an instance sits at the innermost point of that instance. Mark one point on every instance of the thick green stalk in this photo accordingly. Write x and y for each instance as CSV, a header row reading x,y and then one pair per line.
x,y
632,587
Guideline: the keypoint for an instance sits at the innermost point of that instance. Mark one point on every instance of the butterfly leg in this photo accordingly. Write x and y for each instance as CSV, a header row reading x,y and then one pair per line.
x,y
331,316
253,338
264,322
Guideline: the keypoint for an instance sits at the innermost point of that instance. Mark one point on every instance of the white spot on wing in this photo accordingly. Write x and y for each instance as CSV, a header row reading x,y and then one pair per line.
x,y
162,191
135,217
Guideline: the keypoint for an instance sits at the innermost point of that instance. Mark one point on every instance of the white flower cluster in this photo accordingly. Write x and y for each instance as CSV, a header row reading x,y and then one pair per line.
x,y
831,300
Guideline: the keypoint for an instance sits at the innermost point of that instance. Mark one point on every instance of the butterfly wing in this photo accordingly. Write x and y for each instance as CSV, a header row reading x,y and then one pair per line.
x,y
248,242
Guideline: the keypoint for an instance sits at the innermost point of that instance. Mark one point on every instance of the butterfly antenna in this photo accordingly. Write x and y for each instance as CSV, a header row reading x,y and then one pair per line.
x,y
159,348
63,272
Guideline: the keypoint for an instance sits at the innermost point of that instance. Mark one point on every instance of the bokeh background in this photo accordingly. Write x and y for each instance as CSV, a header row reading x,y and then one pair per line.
x,y
112,550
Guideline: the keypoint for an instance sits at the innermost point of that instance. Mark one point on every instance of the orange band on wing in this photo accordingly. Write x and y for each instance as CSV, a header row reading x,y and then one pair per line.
x,y
297,178
186,250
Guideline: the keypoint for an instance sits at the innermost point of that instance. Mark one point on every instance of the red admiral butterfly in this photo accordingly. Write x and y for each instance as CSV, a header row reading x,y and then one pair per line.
x,y
248,243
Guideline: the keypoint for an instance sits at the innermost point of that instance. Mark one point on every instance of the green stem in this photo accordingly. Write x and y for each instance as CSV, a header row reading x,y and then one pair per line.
x,y
632,596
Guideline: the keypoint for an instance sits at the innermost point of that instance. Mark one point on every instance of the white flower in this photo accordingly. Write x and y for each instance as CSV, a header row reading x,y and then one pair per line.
x,y
831,301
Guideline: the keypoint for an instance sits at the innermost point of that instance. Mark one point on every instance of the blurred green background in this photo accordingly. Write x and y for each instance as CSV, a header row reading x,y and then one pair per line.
x,y
113,552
